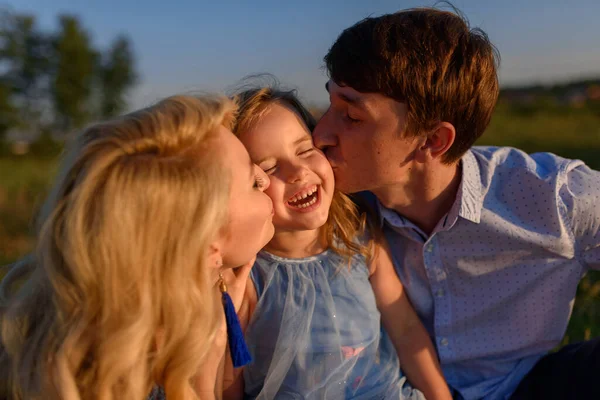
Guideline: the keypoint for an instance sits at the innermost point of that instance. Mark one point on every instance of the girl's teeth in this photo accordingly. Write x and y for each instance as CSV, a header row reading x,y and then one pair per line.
x,y
296,199
310,203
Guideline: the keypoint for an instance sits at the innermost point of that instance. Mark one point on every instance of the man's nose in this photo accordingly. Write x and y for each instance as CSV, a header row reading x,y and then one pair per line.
x,y
323,135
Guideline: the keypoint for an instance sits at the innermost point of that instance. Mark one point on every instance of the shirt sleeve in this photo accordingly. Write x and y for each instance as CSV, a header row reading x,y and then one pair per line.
x,y
580,194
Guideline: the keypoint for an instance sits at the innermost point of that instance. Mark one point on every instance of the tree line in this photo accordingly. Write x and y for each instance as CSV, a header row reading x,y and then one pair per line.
x,y
54,82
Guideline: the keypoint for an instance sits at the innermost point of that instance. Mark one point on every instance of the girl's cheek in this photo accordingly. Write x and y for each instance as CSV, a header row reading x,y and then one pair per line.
x,y
271,191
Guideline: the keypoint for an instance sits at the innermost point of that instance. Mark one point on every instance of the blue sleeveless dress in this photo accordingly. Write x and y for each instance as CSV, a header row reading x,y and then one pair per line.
x,y
316,333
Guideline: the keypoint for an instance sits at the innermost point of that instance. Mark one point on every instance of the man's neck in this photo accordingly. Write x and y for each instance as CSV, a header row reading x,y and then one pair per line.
x,y
296,244
428,199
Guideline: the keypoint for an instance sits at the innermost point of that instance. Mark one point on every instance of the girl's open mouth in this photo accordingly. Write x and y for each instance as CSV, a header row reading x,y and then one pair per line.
x,y
306,201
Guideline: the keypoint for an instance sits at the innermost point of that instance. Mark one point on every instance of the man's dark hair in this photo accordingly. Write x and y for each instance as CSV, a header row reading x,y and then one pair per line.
x,y
429,59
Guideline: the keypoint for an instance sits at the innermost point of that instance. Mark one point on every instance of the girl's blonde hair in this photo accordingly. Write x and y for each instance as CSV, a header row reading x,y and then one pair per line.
x,y
120,257
344,224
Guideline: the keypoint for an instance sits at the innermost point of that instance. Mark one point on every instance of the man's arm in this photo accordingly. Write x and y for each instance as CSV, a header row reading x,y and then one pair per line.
x,y
580,195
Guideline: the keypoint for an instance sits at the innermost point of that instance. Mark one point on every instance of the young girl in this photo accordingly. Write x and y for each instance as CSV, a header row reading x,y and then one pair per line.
x,y
314,328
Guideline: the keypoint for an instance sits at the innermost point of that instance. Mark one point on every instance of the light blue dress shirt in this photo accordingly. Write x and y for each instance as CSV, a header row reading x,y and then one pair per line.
x,y
495,282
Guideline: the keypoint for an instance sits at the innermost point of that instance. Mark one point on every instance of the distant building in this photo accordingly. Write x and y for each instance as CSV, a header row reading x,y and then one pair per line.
x,y
593,92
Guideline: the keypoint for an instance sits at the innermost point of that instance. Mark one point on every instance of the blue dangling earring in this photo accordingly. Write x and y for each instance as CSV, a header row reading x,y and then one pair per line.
x,y
237,345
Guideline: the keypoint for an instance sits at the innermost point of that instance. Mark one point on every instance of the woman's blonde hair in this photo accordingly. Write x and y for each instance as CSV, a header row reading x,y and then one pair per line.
x,y
121,256
344,223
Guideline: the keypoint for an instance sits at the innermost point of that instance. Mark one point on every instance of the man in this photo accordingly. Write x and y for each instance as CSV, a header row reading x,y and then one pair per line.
x,y
489,242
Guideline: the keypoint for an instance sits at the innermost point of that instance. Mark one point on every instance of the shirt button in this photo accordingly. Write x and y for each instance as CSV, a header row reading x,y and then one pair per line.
x,y
439,293
444,342
429,248
439,274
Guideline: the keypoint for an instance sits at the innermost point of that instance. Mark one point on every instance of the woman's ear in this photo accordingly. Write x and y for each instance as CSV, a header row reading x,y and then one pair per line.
x,y
215,257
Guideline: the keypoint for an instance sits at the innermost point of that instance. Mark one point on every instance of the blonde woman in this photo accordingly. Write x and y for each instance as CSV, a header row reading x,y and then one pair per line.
x,y
122,288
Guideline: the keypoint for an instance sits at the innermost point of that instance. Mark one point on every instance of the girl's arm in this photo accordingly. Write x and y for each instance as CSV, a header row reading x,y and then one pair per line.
x,y
415,350
233,379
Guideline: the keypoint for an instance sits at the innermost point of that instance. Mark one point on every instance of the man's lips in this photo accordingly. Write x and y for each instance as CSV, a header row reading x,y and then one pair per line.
x,y
331,157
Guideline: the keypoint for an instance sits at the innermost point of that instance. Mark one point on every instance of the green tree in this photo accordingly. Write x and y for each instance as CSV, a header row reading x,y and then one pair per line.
x,y
24,55
74,74
57,81
7,110
117,76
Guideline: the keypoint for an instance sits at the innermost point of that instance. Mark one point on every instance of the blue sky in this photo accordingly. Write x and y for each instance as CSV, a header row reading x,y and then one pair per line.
x,y
185,45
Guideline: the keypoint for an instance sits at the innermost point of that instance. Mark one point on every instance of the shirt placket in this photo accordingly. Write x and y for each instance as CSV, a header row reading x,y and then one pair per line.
x,y
438,279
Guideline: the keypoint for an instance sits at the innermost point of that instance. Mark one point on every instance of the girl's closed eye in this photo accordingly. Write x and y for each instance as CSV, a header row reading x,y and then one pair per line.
x,y
306,151
269,169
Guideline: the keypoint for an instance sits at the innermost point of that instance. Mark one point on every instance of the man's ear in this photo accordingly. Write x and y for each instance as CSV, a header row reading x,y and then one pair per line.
x,y
437,143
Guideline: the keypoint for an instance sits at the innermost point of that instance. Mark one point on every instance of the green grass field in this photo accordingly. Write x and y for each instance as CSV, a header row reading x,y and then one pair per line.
x,y
24,183
572,133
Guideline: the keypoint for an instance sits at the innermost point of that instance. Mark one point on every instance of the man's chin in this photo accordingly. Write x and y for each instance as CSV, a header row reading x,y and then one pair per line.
x,y
346,186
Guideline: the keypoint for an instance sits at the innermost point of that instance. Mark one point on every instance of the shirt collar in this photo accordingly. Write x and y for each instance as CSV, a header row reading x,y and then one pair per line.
x,y
468,202
470,192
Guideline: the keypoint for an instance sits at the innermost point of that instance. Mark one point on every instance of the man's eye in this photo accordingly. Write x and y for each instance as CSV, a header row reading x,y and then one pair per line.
x,y
352,120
